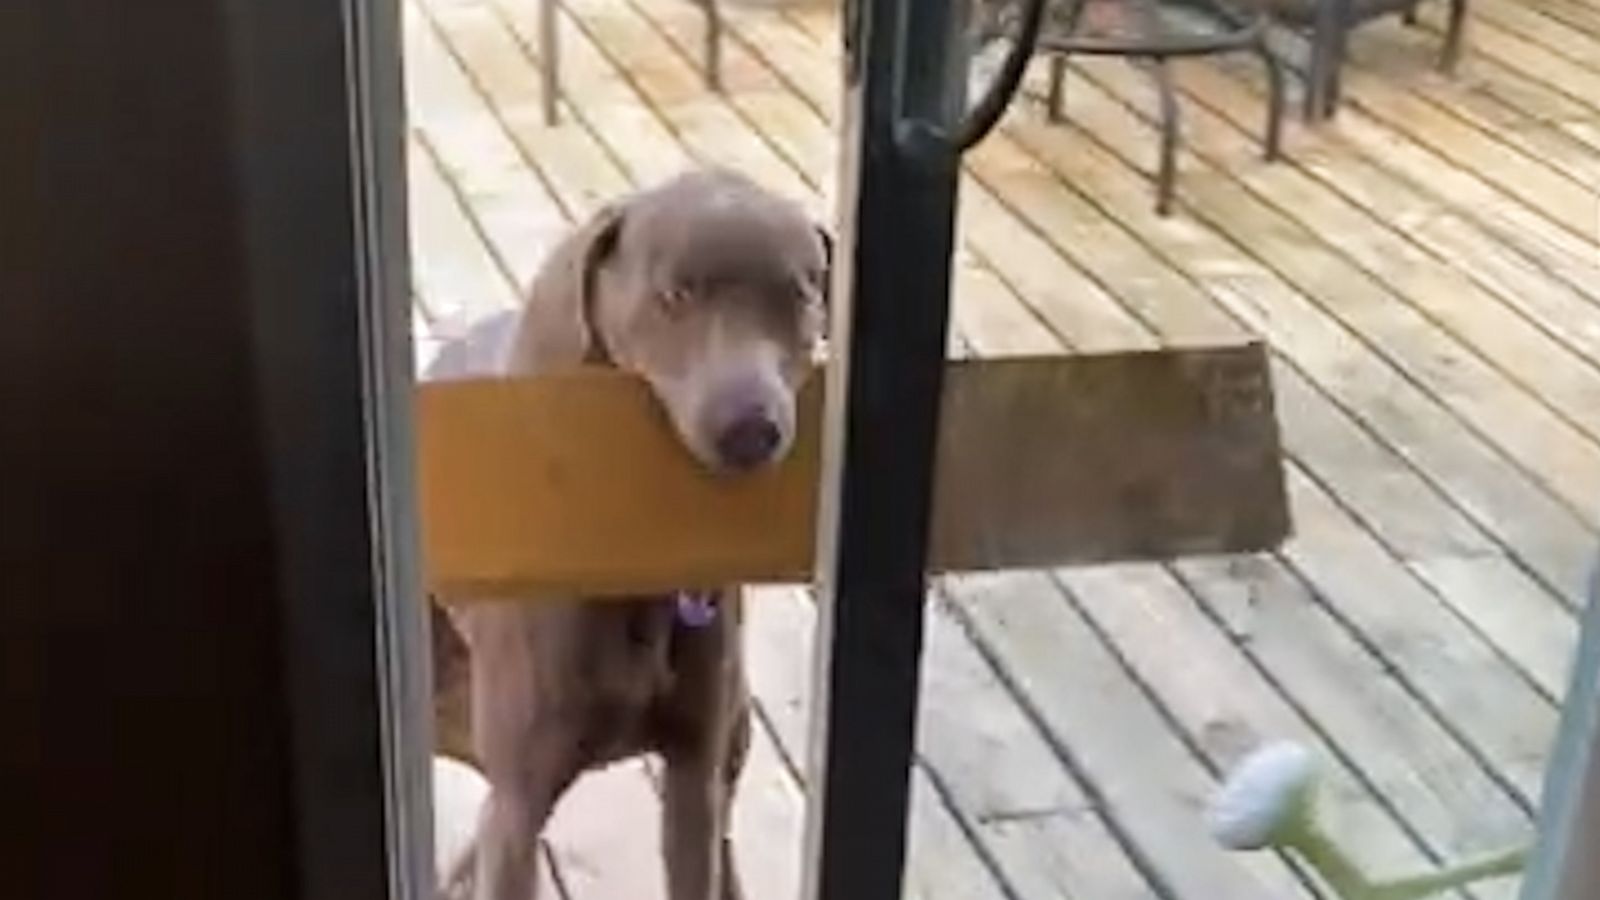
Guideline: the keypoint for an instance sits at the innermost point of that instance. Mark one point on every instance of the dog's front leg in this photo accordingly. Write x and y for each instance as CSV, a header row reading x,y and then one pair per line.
x,y
508,842
693,827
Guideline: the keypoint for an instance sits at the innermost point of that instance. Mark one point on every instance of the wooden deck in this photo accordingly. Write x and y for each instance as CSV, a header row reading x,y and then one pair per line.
x,y
1427,269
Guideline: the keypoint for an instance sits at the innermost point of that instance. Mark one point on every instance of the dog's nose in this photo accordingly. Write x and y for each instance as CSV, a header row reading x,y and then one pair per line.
x,y
749,442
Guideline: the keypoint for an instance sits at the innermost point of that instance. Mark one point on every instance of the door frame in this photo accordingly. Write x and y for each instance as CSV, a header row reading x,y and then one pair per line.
x,y
897,207
319,129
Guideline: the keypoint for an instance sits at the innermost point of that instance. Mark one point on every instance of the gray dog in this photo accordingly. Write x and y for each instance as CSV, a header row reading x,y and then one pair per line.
x,y
712,290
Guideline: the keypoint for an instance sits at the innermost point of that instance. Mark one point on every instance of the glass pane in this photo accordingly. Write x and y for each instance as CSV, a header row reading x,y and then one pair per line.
x,y
494,188
1423,271
1413,637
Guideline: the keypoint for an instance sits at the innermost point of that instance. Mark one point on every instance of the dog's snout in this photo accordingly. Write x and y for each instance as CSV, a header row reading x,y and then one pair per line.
x,y
750,440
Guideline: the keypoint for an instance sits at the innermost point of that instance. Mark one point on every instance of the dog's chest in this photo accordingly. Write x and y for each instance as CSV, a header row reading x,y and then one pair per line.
x,y
661,665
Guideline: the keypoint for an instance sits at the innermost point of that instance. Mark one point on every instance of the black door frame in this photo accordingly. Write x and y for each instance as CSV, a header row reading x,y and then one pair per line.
x,y
904,83
320,128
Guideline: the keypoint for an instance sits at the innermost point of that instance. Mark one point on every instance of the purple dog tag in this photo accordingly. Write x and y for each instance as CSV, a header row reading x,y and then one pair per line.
x,y
696,610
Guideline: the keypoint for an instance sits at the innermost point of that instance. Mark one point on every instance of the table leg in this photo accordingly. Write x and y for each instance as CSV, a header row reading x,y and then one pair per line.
x,y
1056,99
1274,141
549,63
713,49
1451,56
1166,174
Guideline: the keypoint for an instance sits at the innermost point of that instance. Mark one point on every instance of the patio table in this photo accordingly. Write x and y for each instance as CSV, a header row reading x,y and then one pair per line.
x,y
1158,31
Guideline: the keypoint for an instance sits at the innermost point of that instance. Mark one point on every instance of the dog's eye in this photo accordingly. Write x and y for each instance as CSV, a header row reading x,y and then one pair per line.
x,y
674,299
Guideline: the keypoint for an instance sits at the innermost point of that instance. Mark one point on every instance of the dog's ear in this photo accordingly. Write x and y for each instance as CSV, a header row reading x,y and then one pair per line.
x,y
558,324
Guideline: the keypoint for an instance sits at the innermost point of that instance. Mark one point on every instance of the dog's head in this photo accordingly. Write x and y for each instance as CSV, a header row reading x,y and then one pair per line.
x,y
712,290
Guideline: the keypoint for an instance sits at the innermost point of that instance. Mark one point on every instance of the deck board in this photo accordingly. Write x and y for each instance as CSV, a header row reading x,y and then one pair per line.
x,y
1363,307
1427,271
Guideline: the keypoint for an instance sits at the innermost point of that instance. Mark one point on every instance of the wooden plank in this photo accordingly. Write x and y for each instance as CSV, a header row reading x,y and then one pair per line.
x,y
1563,312
1041,827
1553,54
1226,709
578,171
1491,594
485,32
1415,759
599,856
1586,131
604,857
939,861
1011,793
1403,130
1413,277
530,486
1398,413
1093,711
673,89
1560,456
767,828
514,217
1163,423
1441,660
1565,382
456,279
768,822
1565,201
1576,14
780,629
1433,797
1461,190
1485,93
1408,58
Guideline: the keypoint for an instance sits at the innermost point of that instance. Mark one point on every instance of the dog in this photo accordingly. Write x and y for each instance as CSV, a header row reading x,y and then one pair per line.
x,y
713,291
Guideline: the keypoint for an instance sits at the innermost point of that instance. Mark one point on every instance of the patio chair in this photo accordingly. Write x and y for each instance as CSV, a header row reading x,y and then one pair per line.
x,y
550,53
1327,25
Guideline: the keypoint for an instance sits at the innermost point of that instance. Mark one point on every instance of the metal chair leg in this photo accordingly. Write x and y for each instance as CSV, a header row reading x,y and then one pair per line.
x,y
1167,172
713,48
1056,99
1272,148
549,61
1316,88
1333,94
1450,56
1328,34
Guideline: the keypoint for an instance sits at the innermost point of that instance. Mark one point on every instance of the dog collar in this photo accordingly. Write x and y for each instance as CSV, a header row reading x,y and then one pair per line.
x,y
696,609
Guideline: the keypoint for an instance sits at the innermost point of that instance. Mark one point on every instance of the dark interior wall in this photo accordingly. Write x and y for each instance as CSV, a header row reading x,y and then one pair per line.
x,y
143,751
156,468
